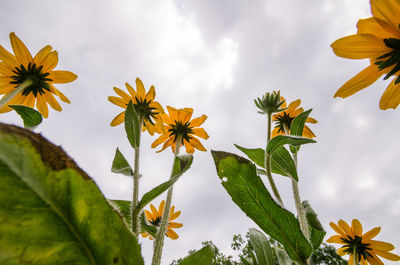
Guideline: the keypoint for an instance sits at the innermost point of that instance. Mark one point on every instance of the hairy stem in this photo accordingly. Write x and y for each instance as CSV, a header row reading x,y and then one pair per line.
x,y
159,242
136,175
300,210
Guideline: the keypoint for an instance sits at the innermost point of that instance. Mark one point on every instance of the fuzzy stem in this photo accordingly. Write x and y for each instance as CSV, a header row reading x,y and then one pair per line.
x,y
159,242
355,256
299,206
267,164
135,197
13,93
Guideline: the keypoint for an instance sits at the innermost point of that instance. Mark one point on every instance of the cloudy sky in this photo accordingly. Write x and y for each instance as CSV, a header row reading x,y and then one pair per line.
x,y
216,57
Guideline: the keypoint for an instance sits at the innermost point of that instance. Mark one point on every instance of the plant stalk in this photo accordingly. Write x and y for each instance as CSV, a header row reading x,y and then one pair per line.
x,y
136,175
13,93
159,242
267,164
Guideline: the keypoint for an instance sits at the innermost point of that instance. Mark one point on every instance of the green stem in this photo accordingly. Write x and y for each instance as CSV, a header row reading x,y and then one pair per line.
x,y
13,93
267,164
135,197
159,241
300,210
355,256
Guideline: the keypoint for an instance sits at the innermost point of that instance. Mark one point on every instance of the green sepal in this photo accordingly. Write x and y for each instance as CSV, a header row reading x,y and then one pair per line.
x,y
145,228
181,165
261,247
204,256
247,190
281,161
281,140
317,232
297,127
52,212
121,165
132,125
31,117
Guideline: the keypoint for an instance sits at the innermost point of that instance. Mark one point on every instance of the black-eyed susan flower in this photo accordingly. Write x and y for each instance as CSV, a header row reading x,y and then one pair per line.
x,y
18,68
178,125
144,104
378,39
154,217
356,243
270,103
284,119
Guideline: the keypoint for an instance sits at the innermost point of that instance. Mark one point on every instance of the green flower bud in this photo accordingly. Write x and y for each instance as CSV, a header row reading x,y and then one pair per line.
x,y
270,103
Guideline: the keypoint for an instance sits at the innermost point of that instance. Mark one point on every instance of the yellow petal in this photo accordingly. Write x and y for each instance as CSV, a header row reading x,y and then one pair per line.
x,y
62,77
387,11
198,121
154,211
42,106
161,208
189,148
341,251
370,234
387,255
52,101
186,115
50,62
359,47
59,94
140,89
159,140
197,144
345,227
335,239
391,97
295,104
351,260
8,58
118,101
374,260
131,90
200,132
275,132
21,52
308,133
380,245
122,94
175,225
362,80
151,94
173,113
311,120
118,119
42,55
357,227
148,214
5,70
372,27
363,261
171,234
337,229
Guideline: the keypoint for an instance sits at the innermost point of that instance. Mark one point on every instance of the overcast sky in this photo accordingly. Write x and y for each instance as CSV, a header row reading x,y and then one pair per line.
x,y
216,57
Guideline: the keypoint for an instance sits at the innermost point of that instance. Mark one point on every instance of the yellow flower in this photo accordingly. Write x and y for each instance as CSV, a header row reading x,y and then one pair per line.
x,y
15,69
284,119
377,38
179,125
154,218
144,104
366,249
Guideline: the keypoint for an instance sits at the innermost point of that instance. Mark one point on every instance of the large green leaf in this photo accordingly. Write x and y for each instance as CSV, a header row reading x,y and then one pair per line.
x,y
281,161
121,165
261,247
30,117
181,165
282,257
51,212
297,127
132,125
247,190
124,209
281,140
317,232
203,256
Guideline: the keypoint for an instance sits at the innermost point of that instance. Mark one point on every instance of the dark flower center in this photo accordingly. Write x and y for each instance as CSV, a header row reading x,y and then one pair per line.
x,y
391,58
34,73
180,129
156,222
361,249
143,108
283,122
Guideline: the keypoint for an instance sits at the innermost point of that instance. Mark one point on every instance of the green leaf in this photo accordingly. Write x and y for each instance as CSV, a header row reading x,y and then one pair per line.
x,y
132,125
317,232
203,256
181,165
281,140
124,210
281,161
282,257
297,127
261,247
120,165
31,117
145,228
51,212
247,190
245,261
